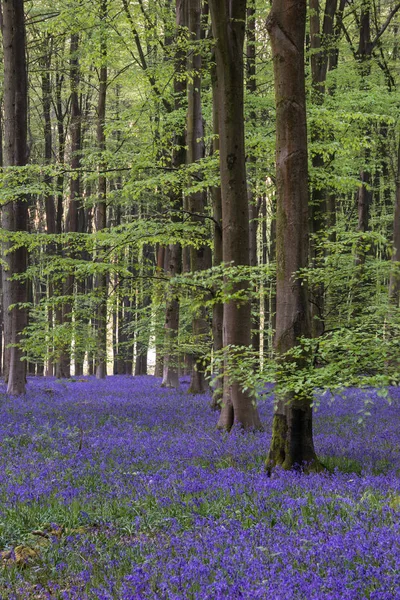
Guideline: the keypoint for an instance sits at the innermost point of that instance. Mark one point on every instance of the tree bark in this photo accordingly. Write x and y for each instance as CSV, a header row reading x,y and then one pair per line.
x,y
101,208
171,353
200,258
292,442
394,284
50,208
72,221
15,212
228,24
254,202
321,42
218,307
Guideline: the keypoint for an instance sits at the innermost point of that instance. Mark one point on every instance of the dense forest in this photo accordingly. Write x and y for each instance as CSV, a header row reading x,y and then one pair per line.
x,y
209,189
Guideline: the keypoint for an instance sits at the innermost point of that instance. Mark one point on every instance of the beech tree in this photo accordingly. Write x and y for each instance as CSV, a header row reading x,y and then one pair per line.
x,y
292,440
15,210
228,24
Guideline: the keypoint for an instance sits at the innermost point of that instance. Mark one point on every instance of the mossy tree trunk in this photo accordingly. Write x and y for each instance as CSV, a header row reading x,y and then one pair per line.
x,y
292,440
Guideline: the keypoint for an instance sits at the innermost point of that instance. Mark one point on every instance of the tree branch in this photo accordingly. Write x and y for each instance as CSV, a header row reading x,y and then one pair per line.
x,y
385,25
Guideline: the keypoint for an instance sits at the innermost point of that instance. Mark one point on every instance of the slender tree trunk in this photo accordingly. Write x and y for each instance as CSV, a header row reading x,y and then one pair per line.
x,y
159,338
1,268
171,352
228,23
364,195
254,202
394,285
50,208
58,286
101,208
292,441
14,213
321,40
171,356
200,258
143,307
218,307
72,222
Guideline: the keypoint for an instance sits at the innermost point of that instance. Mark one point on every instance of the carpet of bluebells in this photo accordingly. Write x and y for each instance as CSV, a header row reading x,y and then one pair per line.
x,y
119,489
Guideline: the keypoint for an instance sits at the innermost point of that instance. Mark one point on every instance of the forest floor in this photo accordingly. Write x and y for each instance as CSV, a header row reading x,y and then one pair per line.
x,y
119,489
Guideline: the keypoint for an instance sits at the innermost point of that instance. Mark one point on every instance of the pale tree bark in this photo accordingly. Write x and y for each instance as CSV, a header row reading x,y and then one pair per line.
x,y
15,212
228,24
292,441
200,258
101,207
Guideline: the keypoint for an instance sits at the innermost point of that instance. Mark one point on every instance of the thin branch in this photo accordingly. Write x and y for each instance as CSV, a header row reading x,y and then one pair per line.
x,y
142,57
385,25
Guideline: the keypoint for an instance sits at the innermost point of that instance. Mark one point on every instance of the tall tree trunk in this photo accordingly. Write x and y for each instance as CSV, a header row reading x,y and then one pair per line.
x,y
200,258
171,352
101,208
59,351
364,195
72,221
14,213
218,307
1,268
228,24
292,441
50,208
143,307
254,202
320,43
394,284
171,355
159,337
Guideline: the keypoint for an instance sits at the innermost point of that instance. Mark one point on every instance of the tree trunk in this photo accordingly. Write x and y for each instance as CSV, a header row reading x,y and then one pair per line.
x,y
72,221
218,307
50,208
143,310
101,208
228,23
171,356
254,202
14,213
159,337
320,44
171,353
200,258
292,442
394,285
